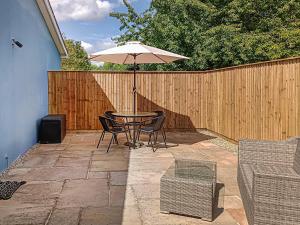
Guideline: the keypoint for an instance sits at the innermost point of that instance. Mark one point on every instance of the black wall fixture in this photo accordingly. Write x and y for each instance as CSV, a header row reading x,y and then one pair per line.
x,y
17,43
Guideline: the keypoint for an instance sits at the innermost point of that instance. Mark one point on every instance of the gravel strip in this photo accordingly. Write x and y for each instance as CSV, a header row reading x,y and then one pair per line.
x,y
17,161
221,141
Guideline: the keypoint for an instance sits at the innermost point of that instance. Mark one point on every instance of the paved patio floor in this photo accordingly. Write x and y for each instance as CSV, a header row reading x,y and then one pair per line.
x,y
75,183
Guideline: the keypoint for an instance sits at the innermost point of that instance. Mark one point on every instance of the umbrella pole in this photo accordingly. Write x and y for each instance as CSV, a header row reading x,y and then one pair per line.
x,y
134,100
134,85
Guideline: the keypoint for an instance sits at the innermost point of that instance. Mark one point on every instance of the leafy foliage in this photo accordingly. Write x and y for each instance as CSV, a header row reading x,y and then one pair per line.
x,y
78,57
215,33
114,67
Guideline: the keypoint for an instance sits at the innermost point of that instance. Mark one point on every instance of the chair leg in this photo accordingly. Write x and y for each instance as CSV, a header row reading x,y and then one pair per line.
x,y
149,138
130,135
103,135
128,127
154,142
116,139
164,137
151,142
100,139
127,139
112,137
138,135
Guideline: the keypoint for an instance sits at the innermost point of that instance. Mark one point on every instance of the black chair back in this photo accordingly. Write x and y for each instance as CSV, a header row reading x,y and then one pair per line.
x,y
160,113
109,114
104,122
112,121
159,123
154,119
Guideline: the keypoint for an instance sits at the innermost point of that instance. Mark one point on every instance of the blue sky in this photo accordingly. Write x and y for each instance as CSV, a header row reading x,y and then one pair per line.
x,y
89,21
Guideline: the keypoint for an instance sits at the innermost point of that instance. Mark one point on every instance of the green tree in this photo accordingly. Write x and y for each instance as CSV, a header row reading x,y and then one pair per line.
x,y
114,67
78,57
95,67
215,33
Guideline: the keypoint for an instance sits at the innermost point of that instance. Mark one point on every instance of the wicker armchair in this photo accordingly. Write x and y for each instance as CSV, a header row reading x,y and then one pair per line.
x,y
269,181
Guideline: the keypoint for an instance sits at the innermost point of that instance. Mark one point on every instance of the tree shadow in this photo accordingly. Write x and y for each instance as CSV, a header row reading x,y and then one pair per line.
x,y
188,133
173,119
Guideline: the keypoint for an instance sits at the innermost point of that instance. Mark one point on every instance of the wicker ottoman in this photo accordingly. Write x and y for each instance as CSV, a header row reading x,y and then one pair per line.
x,y
188,188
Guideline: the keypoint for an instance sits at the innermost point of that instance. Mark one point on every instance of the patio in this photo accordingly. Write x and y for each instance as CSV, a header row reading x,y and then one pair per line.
x,y
75,183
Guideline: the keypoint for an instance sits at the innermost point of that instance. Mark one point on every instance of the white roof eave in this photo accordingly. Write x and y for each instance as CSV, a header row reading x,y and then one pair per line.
x,y
48,15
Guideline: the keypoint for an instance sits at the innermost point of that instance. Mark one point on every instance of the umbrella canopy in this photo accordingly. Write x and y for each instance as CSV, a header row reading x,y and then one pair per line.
x,y
135,52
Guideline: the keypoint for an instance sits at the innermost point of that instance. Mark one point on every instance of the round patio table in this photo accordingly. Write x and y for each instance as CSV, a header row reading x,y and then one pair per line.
x,y
135,124
134,115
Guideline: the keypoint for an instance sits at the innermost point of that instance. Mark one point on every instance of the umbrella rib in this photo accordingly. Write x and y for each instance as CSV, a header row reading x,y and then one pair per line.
x,y
138,54
125,58
160,58
92,57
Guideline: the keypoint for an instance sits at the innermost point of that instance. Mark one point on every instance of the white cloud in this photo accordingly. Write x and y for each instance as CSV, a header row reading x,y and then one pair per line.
x,y
104,43
83,10
87,46
97,46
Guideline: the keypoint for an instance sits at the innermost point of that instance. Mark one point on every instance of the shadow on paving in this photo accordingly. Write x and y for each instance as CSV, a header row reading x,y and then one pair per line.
x,y
219,195
69,183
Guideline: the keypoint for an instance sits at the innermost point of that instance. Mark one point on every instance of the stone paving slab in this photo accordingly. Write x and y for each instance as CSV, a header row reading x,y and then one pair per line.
x,y
32,216
150,213
120,155
118,177
34,194
76,153
117,196
65,216
55,174
143,177
39,161
73,162
153,191
101,216
115,165
84,193
97,175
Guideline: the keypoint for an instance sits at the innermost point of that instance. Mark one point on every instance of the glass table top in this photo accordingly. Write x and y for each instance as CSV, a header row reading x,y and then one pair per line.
x,y
136,114
203,173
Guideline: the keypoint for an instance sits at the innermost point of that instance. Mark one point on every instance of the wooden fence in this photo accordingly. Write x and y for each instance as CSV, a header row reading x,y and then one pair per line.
x,y
260,101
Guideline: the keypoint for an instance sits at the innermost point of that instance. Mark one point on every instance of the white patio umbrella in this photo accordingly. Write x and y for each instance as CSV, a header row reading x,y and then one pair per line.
x,y
135,53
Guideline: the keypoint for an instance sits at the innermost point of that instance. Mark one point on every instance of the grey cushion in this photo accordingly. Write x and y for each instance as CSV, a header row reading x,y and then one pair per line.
x,y
296,164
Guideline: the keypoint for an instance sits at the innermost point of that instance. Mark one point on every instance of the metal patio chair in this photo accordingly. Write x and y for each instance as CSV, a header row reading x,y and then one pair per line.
x,y
114,130
162,113
115,123
152,128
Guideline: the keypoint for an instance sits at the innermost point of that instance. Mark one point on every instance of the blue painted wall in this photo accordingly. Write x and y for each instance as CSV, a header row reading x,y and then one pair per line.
x,y
23,76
